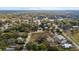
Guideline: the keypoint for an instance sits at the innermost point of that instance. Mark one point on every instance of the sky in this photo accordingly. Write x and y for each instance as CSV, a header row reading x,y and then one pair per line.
x,y
39,8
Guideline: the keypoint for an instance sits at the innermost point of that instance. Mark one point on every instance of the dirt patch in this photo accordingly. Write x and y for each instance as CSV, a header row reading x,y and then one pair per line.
x,y
37,35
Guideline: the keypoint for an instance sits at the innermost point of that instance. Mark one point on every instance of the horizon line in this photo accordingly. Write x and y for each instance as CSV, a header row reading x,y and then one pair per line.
x,y
39,8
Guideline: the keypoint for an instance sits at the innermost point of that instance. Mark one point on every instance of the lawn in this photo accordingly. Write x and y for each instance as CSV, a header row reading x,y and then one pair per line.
x,y
74,36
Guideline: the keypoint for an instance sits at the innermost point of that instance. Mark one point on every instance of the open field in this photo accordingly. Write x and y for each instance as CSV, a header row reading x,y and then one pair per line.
x,y
74,36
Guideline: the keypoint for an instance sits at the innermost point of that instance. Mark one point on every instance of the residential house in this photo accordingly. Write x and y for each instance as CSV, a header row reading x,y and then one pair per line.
x,y
20,40
60,39
66,45
75,27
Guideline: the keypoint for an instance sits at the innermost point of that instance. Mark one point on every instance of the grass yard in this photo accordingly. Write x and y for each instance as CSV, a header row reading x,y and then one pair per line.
x,y
74,36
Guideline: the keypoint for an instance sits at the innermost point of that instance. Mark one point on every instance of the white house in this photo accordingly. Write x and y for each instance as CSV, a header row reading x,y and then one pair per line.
x,y
20,39
66,45
75,27
51,20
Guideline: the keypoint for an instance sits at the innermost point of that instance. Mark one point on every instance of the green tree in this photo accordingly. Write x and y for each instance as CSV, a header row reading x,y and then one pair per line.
x,y
42,46
58,31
